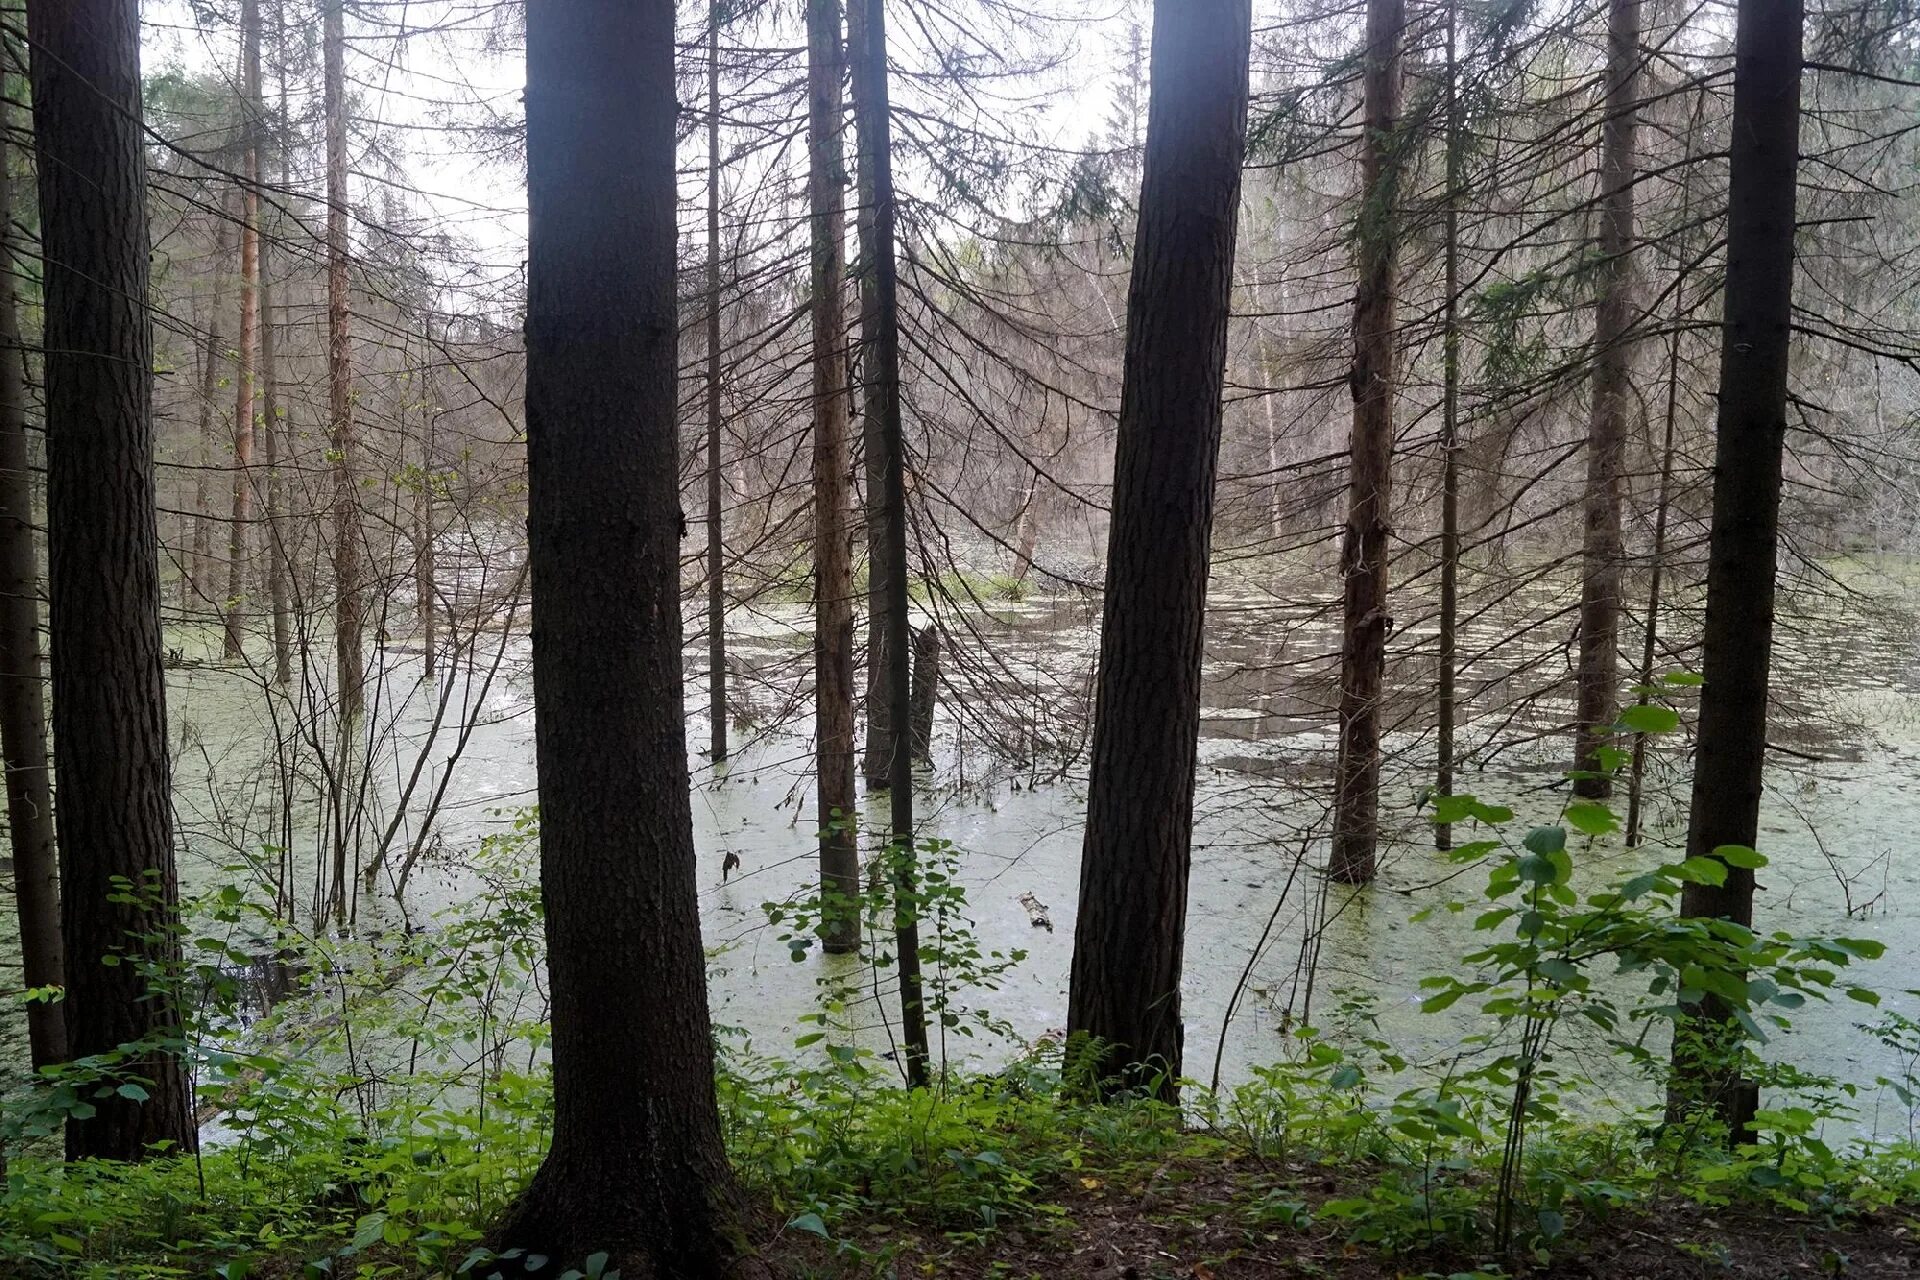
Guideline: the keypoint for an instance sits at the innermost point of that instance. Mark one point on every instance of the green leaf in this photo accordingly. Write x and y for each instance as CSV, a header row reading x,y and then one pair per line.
x,y
810,1222
132,1092
1546,840
1683,679
1739,855
1592,819
1649,717
1702,871
1865,995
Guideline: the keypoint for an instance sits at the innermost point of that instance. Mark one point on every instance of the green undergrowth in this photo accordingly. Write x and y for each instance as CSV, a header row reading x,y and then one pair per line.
x,y
841,1153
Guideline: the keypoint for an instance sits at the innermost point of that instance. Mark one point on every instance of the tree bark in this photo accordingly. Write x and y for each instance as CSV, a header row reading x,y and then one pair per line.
x,y
424,609
636,1166
115,820
1449,627
1365,548
1750,437
195,588
279,565
832,563
867,29
1128,942
23,706
716,535
349,608
876,760
926,690
243,481
1598,682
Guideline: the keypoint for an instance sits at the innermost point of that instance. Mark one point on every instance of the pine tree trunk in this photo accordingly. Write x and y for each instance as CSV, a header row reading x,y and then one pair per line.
x,y
276,501
349,605
716,534
867,29
1599,672
23,706
198,585
636,1167
1128,942
424,611
876,760
242,518
1365,546
832,567
1449,627
115,817
1750,437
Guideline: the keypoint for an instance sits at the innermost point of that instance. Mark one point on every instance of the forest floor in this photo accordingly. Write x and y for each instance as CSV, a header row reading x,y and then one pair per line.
x,y
1225,1219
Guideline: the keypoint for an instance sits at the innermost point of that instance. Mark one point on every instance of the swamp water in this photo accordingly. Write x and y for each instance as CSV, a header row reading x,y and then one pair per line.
x,y
1835,823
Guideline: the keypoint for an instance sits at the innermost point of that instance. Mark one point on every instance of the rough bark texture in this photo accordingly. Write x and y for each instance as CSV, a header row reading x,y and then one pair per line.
x,y
1613,321
636,1167
832,552
424,611
349,606
1364,548
877,758
1127,947
197,578
1449,627
279,569
1750,434
867,29
109,694
249,337
23,704
926,689
716,538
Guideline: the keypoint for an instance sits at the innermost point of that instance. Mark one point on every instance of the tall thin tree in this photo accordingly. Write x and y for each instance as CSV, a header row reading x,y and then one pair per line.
x,y
115,818
880,357
716,533
636,1167
1124,1002
1749,446
240,524
1598,682
832,552
23,704
1365,544
1447,693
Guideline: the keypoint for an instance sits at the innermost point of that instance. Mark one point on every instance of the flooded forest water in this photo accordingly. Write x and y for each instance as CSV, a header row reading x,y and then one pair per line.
x,y
1007,787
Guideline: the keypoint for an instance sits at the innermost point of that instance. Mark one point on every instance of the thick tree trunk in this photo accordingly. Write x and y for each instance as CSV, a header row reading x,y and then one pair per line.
x,y
1128,942
115,818
867,30
636,1166
1750,436
23,705
716,535
349,607
238,538
1448,660
1365,545
926,690
1599,673
832,564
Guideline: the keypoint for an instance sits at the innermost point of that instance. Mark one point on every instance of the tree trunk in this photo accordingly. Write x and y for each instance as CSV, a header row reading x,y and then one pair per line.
x,y
867,31
1599,673
1448,660
425,613
1750,436
832,566
926,690
197,586
237,529
276,501
23,707
1365,548
1127,947
877,759
716,539
349,608
115,818
636,1167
